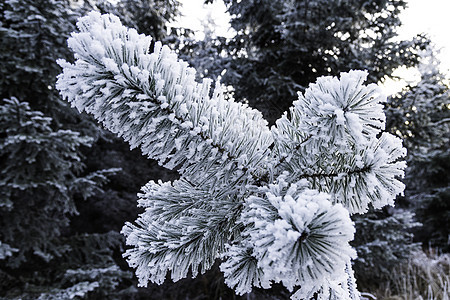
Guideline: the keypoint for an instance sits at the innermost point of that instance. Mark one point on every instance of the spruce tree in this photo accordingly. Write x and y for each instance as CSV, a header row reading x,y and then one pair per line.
x,y
37,178
150,17
420,115
33,35
384,241
274,204
45,175
281,46
40,180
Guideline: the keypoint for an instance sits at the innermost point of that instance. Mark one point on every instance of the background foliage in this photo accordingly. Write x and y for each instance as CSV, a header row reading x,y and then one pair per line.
x,y
67,186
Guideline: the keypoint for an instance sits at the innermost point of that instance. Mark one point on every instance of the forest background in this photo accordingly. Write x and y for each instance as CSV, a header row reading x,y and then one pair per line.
x,y
67,186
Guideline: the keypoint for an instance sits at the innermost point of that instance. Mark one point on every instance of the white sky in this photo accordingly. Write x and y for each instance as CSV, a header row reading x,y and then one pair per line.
x,y
194,12
433,18
422,16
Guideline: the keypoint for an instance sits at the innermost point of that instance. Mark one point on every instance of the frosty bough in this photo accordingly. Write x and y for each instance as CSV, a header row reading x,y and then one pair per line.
x,y
274,203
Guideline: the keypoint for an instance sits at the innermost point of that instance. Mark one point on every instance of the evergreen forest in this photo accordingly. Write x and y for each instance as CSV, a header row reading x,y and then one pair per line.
x,y
68,185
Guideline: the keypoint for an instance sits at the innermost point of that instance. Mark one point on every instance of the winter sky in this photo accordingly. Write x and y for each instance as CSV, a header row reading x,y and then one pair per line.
x,y
430,17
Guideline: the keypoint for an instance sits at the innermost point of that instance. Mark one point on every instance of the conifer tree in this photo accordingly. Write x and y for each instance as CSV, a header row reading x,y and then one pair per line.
x,y
33,35
281,46
420,115
37,178
43,173
384,241
40,179
150,17
274,204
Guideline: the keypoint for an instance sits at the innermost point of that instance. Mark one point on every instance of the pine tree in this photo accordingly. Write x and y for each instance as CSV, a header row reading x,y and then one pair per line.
x,y
281,46
275,203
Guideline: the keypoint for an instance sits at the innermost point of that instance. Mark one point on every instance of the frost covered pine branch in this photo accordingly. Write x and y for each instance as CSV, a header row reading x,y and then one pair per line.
x,y
273,204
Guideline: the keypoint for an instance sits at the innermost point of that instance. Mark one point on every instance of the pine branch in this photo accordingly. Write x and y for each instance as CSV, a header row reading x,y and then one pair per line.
x,y
330,175
152,101
336,123
296,236
180,230
294,150
270,202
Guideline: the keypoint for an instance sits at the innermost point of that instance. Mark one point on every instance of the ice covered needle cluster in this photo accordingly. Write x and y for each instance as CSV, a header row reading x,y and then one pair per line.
x,y
273,204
